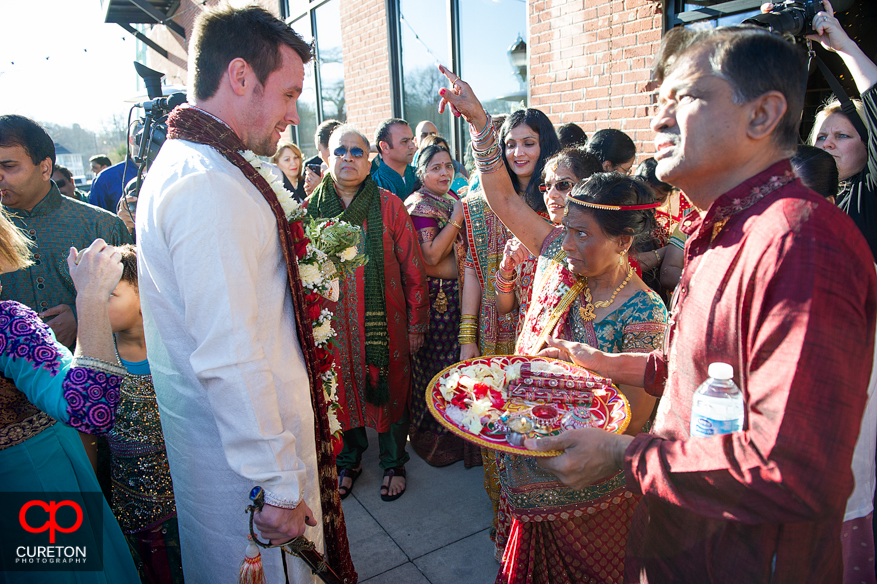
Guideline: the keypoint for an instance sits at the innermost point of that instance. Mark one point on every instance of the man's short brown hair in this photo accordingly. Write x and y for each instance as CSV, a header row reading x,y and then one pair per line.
x,y
752,60
251,33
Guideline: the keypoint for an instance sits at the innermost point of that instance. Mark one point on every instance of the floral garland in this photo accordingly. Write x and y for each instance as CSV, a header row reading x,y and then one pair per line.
x,y
319,279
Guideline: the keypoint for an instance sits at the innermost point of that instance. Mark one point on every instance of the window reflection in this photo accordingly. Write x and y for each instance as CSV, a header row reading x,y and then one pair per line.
x,y
488,29
424,31
330,63
731,20
307,102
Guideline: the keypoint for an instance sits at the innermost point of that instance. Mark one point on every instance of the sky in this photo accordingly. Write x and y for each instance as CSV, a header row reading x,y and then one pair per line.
x,y
60,63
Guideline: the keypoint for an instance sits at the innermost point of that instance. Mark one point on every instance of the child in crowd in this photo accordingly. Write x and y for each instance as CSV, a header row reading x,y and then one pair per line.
x,y
143,497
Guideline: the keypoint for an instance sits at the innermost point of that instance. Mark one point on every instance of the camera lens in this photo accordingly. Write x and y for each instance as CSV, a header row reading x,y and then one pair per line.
x,y
790,20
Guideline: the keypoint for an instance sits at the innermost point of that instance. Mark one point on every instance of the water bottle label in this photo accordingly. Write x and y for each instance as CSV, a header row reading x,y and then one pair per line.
x,y
702,427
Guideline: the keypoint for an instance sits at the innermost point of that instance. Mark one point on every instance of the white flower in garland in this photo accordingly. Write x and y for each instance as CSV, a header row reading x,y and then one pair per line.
x,y
323,332
291,208
334,424
312,281
348,254
310,275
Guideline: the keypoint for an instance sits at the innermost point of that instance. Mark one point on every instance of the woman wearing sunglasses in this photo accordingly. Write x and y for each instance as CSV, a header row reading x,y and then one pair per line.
x,y
381,316
527,140
562,172
585,291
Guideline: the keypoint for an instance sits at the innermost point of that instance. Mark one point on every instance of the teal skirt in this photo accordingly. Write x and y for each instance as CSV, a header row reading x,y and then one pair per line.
x,y
55,461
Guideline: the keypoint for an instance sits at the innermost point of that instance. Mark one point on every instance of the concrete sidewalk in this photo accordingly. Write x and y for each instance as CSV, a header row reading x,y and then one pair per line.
x,y
436,533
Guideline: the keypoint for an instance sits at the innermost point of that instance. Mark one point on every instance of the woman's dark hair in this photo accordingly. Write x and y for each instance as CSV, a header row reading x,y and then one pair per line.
x,y
426,155
611,188
571,135
579,161
646,173
548,146
436,140
612,145
817,169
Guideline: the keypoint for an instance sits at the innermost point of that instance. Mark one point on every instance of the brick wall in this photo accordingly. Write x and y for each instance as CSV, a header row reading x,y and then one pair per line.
x,y
175,66
590,62
366,63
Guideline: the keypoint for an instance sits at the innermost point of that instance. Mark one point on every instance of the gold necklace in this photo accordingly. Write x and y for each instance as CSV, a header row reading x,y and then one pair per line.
x,y
587,311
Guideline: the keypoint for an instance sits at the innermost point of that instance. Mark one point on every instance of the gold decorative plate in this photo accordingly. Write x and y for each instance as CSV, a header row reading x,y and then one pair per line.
x,y
609,408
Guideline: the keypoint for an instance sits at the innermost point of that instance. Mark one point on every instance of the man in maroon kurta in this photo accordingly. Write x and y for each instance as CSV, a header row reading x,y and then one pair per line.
x,y
777,283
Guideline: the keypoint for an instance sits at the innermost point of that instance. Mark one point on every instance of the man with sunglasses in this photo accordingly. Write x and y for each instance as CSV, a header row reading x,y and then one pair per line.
x,y
381,316
63,179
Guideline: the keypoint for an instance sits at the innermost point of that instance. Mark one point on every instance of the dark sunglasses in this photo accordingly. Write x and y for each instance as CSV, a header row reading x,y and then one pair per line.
x,y
356,151
61,183
562,186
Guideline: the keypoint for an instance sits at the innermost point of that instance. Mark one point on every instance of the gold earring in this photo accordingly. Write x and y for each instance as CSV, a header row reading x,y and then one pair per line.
x,y
621,258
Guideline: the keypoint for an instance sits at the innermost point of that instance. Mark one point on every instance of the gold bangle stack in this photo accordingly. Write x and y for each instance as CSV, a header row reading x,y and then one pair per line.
x,y
468,329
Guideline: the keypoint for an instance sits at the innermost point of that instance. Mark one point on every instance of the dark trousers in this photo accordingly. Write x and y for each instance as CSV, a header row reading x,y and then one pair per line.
x,y
391,444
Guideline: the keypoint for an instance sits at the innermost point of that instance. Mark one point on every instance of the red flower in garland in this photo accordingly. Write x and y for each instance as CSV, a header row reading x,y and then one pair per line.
x,y
313,311
337,444
301,247
298,232
324,360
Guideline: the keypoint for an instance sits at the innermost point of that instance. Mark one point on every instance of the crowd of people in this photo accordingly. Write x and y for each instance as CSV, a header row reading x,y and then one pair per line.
x,y
176,374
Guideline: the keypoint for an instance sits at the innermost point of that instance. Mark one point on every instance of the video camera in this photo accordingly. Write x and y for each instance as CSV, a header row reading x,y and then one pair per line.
x,y
795,17
150,131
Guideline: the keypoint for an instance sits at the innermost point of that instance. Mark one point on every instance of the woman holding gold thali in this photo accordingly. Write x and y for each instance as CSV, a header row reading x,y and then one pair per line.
x,y
585,291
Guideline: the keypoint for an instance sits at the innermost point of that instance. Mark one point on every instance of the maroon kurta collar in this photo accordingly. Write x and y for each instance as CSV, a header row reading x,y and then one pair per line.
x,y
740,198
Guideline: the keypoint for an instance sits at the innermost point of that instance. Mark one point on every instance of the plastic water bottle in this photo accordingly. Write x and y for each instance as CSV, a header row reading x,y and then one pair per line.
x,y
717,406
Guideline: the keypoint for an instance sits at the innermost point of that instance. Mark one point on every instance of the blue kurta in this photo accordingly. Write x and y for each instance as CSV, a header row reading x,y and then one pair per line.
x,y
54,459
389,179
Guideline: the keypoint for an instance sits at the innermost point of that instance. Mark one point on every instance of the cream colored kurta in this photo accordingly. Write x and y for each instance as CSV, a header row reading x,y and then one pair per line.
x,y
228,370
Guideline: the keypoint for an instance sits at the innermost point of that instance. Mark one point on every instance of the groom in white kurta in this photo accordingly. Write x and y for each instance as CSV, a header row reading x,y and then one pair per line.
x,y
228,370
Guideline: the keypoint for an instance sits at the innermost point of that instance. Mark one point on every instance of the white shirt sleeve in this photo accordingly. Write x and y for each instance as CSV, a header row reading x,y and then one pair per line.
x,y
221,242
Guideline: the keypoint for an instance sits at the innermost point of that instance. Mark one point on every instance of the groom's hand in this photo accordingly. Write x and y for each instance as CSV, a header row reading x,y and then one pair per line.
x,y
279,525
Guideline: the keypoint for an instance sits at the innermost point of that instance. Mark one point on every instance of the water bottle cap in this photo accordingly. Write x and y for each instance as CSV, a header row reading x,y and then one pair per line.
x,y
721,371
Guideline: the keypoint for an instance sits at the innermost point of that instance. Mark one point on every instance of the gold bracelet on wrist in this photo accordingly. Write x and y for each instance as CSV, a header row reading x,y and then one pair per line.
x,y
455,224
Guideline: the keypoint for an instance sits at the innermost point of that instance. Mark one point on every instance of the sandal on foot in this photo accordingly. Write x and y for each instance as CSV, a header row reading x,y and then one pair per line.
x,y
347,473
396,471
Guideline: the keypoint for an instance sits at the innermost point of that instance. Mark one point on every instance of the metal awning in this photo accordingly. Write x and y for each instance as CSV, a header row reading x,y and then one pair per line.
x,y
128,12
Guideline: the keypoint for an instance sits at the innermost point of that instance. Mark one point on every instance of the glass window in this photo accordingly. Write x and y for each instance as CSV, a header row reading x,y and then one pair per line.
x,y
489,29
730,20
330,61
307,102
712,13
423,27
494,55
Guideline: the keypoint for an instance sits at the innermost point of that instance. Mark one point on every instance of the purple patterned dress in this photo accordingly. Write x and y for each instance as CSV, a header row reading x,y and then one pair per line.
x,y
429,439
45,397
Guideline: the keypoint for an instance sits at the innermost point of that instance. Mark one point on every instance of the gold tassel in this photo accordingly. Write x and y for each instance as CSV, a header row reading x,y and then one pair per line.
x,y
251,571
441,300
